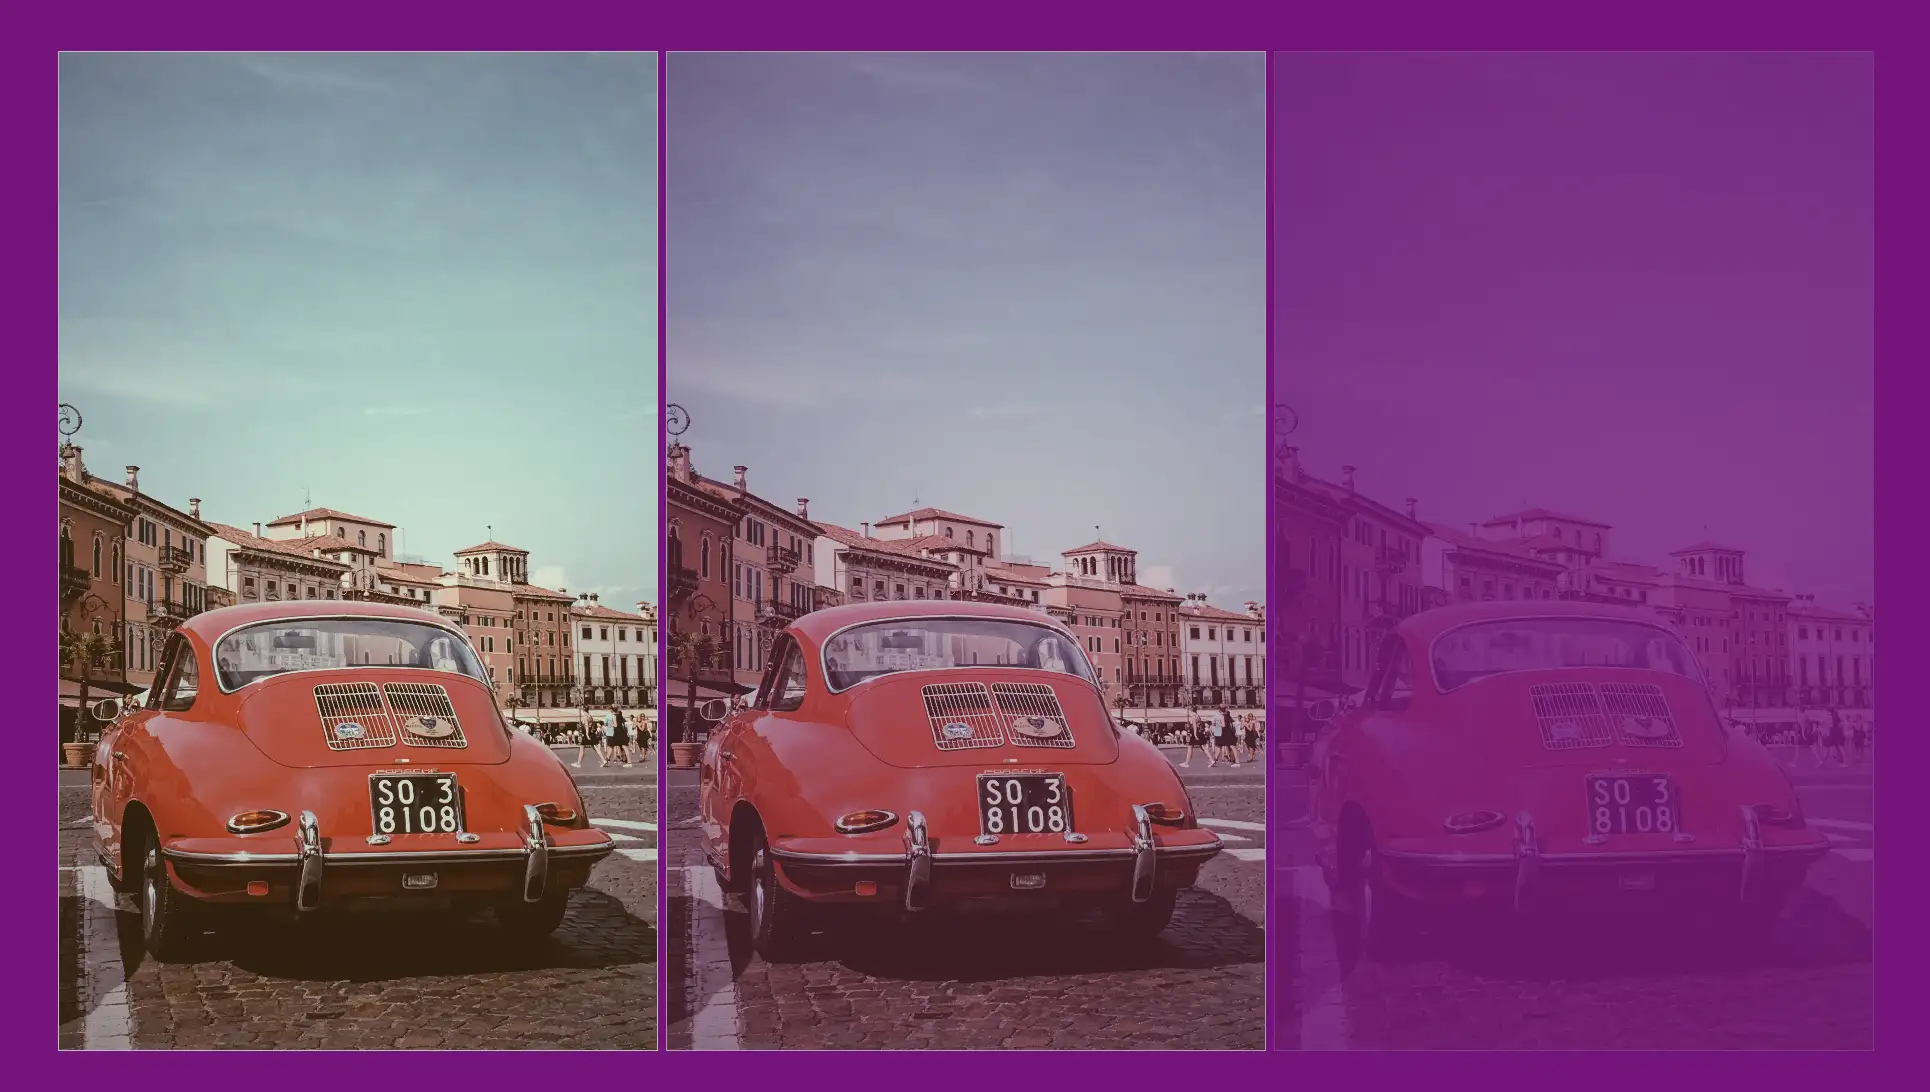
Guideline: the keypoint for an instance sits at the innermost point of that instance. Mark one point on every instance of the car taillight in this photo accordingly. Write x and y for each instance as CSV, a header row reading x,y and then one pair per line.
x,y
254,822
1468,822
865,821
1778,815
1164,813
556,813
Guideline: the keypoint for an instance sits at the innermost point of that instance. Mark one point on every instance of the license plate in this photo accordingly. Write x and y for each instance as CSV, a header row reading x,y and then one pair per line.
x,y
1024,804
428,803
1634,804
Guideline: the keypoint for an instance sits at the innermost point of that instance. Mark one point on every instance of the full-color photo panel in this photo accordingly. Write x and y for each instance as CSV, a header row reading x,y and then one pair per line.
x,y
358,626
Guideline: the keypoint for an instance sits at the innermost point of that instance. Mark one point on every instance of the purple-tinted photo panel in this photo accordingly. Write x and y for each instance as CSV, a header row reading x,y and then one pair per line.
x,y
1573,543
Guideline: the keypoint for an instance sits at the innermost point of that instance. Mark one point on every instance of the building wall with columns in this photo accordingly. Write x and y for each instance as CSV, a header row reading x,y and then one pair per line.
x,y
1224,653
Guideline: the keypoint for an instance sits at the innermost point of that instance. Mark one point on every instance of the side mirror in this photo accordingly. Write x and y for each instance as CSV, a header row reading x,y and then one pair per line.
x,y
106,710
1323,710
716,709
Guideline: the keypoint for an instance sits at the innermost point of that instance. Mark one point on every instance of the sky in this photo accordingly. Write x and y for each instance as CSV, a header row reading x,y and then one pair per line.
x,y
1637,288
421,289
1029,289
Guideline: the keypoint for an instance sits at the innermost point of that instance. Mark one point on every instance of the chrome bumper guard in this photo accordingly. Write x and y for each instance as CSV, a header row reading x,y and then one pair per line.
x,y
1752,856
308,850
1144,853
917,862
1527,862
536,848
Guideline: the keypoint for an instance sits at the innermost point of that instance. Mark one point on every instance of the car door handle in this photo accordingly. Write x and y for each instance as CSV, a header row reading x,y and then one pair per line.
x,y
725,755
120,756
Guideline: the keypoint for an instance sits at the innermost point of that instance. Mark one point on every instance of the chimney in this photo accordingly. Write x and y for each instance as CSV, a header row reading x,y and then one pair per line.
x,y
71,467
737,478
134,478
867,528
680,462
804,508
1169,591
1474,529
1411,503
194,507
1347,477
563,591
1290,463
257,528
594,597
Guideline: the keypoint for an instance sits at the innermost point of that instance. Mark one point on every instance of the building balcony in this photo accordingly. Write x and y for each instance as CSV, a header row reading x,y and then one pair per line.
x,y
176,559
74,582
778,614
781,559
169,613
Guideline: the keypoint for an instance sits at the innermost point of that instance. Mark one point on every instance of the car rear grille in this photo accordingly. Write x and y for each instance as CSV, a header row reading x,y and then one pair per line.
x,y
1640,715
1570,716
357,704
1035,706
426,716
410,712
968,705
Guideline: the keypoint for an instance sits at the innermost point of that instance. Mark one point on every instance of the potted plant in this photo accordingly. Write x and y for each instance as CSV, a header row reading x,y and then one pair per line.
x,y
695,652
84,652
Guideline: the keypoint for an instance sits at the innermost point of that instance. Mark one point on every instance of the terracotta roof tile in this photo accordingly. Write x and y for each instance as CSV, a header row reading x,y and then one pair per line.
x,y
327,513
1541,513
936,513
1097,546
492,546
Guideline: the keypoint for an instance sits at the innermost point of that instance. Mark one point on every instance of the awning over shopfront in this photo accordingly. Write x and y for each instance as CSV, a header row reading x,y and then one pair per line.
x,y
96,690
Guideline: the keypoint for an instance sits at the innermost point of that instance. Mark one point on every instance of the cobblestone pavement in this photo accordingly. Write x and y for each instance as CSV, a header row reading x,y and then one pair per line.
x,y
376,982
1546,988
984,985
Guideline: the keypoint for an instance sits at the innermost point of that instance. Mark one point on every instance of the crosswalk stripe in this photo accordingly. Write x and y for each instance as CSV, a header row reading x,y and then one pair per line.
x,y
1234,824
1234,838
645,855
1247,854
1840,824
625,824
615,837
1860,856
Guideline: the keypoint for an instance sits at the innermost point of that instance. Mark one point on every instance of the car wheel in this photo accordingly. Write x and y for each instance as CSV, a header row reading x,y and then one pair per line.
x,y
170,921
1370,920
129,881
778,928
532,921
1143,921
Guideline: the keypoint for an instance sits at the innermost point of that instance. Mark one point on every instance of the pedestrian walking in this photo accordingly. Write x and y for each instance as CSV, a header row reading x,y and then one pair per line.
x,y
1860,737
1229,738
585,735
1836,740
1251,737
1193,735
620,736
1813,739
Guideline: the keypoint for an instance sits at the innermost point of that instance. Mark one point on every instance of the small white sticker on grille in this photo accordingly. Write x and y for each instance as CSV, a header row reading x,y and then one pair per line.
x,y
1640,715
426,717
353,716
961,716
1570,715
1032,715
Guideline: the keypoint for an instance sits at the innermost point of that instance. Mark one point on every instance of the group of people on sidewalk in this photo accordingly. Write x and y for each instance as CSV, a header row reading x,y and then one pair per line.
x,y
1838,739
1225,738
612,736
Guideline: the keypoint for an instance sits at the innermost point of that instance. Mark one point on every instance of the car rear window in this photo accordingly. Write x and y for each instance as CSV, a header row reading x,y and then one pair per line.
x,y
322,644
938,644
1471,652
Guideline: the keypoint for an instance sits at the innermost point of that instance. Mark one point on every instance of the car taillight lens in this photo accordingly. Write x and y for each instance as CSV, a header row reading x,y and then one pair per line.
x,y
1778,815
254,822
556,813
1468,822
863,822
1164,813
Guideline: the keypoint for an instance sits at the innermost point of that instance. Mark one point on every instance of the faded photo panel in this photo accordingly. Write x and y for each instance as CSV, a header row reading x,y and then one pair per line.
x,y
1573,551
357,594
965,612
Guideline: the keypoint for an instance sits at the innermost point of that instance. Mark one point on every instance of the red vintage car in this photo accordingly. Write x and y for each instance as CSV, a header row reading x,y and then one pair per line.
x,y
301,757
1537,756
926,756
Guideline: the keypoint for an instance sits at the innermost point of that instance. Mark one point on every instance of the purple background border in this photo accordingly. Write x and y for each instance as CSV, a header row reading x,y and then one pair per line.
x,y
1902,180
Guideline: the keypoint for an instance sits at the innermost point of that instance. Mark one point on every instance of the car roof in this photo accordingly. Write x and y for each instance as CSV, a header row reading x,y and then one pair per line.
x,y
1429,624
210,625
817,626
